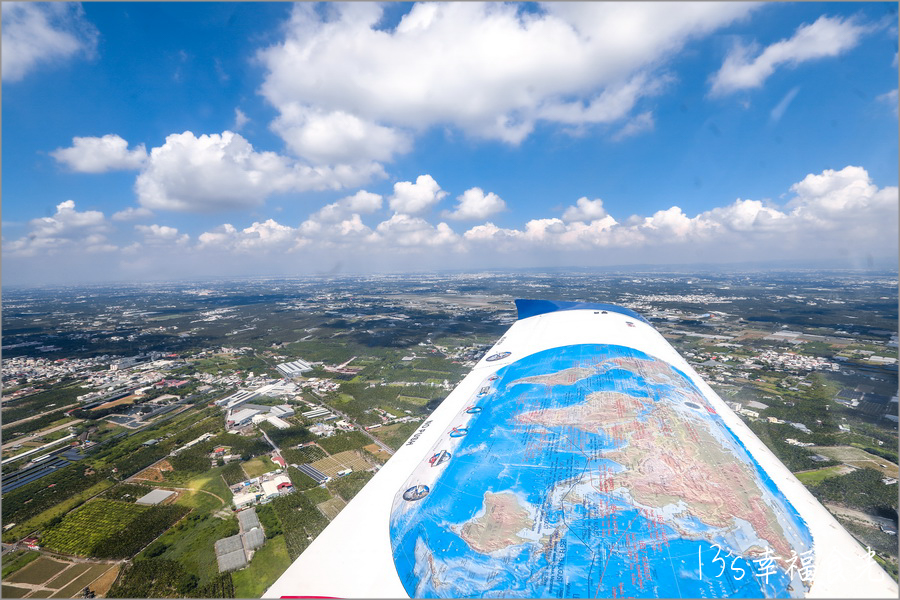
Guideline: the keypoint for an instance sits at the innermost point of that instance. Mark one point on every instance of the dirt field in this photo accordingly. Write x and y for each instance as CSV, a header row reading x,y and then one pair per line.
x,y
154,473
349,459
49,578
125,400
858,458
377,452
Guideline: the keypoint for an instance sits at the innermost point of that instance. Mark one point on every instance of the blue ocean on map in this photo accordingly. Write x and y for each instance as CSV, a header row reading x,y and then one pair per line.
x,y
559,488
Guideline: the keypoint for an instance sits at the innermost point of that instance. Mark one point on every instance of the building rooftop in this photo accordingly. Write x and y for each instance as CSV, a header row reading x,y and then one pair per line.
x,y
154,497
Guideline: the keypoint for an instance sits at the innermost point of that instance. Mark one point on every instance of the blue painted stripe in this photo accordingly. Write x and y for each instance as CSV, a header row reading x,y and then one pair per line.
x,y
532,308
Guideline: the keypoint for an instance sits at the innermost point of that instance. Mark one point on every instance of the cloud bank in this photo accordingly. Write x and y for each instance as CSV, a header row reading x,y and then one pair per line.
x,y
834,213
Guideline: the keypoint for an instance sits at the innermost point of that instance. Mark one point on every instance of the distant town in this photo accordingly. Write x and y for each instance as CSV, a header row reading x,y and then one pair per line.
x,y
192,439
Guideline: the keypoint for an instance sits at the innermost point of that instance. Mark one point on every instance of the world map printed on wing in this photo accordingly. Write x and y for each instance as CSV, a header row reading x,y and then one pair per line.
x,y
594,471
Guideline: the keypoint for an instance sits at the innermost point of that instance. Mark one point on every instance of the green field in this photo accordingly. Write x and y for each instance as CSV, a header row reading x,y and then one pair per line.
x,y
267,565
317,495
192,543
37,572
858,458
395,435
39,521
819,475
14,561
414,399
259,466
9,591
84,530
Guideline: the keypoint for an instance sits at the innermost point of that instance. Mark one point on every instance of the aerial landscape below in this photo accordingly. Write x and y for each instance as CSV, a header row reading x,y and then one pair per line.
x,y
263,406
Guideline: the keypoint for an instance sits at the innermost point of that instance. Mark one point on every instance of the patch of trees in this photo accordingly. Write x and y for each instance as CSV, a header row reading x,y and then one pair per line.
x,y
350,485
299,519
233,473
140,532
31,499
127,492
32,425
194,460
246,447
794,458
299,456
269,520
221,586
139,460
862,489
292,436
155,578
300,480
27,406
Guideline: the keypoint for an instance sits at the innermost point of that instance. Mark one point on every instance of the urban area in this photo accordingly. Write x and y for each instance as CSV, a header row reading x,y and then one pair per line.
x,y
192,439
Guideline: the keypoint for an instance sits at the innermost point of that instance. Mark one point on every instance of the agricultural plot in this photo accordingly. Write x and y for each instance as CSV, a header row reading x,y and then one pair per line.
x,y
259,465
82,532
377,451
860,459
330,508
48,578
37,572
816,476
349,459
414,399
308,454
110,529
397,434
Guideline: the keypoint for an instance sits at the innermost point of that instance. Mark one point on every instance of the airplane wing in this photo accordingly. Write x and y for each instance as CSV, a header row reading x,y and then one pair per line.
x,y
583,457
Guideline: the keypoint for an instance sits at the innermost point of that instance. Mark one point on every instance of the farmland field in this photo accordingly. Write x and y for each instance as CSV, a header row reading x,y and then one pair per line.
x,y
110,529
330,508
259,465
348,459
37,572
818,475
84,530
268,563
56,579
858,458
395,435
10,591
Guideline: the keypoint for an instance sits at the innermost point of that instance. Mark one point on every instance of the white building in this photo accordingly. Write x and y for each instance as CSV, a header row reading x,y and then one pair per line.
x,y
279,423
241,417
282,411
294,369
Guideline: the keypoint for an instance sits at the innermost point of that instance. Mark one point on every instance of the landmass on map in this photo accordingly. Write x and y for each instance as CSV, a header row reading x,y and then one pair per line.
x,y
498,525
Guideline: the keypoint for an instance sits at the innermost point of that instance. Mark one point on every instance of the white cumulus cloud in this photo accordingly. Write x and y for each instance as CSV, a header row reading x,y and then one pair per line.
x,y
218,172
346,88
361,202
67,228
162,234
100,154
329,137
43,32
585,210
746,67
132,213
413,198
474,204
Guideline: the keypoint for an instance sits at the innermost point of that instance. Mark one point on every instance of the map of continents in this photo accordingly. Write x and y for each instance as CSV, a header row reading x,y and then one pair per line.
x,y
594,471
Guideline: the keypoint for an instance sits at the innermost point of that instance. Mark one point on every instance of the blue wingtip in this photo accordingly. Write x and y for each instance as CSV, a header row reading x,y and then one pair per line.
x,y
532,308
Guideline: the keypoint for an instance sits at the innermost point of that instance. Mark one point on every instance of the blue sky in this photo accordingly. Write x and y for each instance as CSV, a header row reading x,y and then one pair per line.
x,y
177,140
